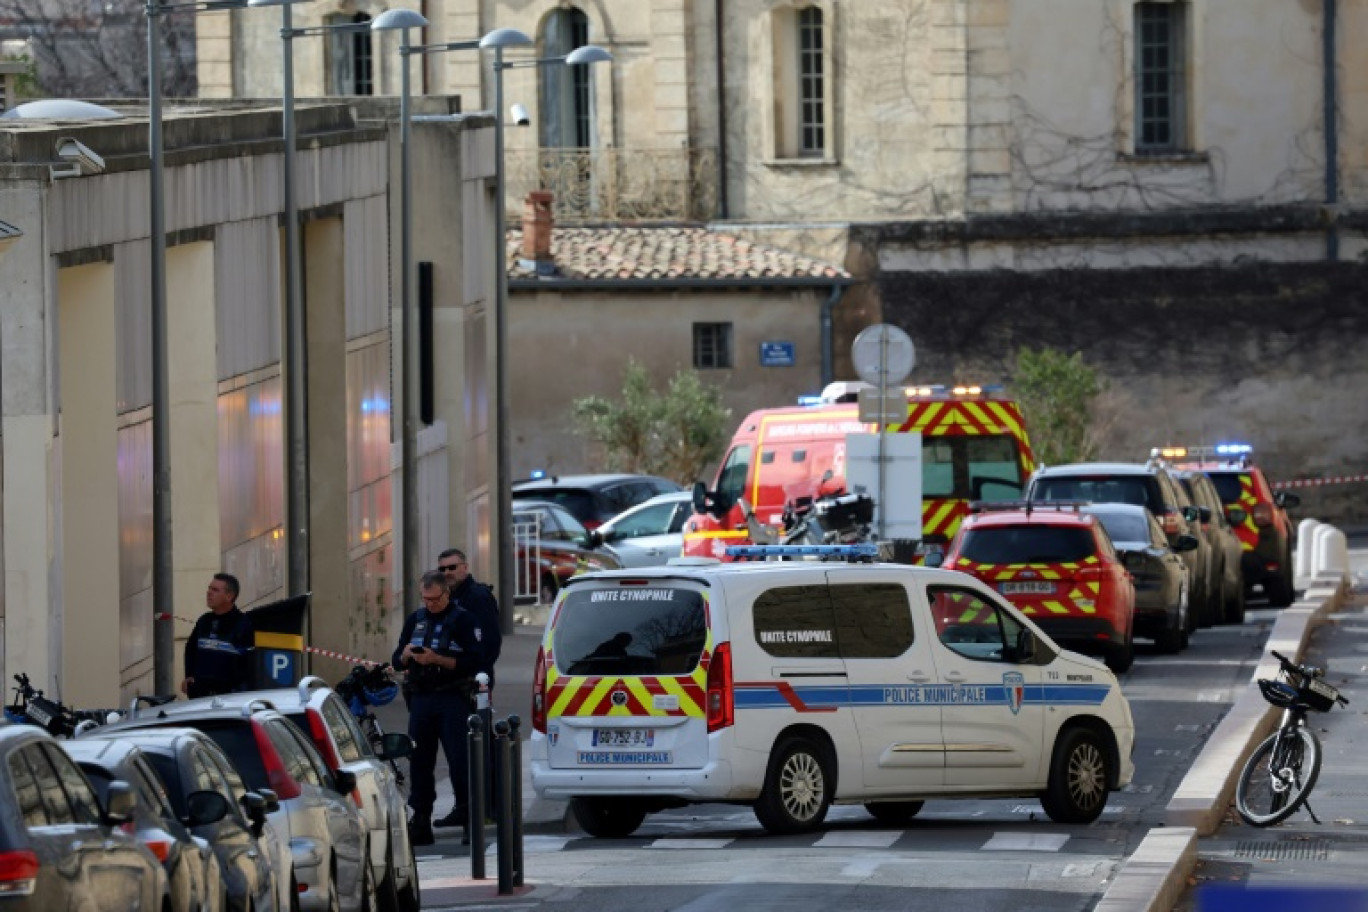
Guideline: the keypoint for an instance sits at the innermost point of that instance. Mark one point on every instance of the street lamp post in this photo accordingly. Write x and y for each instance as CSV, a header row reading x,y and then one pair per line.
x,y
163,590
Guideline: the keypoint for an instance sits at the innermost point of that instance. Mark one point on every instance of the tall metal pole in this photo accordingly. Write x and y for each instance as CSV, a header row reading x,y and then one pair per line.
x,y
296,407
502,489
163,596
409,489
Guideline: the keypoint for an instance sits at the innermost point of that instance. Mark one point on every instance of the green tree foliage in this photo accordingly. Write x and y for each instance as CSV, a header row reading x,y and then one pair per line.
x,y
675,434
1058,395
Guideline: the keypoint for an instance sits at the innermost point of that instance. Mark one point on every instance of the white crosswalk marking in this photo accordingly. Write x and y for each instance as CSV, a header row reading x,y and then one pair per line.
x,y
682,843
877,839
1026,842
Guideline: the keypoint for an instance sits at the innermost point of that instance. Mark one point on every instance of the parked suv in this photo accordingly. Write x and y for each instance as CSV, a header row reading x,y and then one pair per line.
x,y
60,848
329,851
1150,485
1225,544
594,499
1257,513
1057,565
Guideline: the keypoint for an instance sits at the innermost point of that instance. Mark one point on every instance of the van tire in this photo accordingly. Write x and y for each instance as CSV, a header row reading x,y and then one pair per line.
x,y
1235,605
797,790
894,813
608,818
1080,772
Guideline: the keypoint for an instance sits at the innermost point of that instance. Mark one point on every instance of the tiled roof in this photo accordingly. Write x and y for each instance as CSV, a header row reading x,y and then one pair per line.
x,y
683,253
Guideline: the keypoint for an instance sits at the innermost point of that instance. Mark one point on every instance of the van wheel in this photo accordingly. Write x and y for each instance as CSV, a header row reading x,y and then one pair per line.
x,y
1079,773
1279,590
1122,657
1235,605
797,789
608,818
894,813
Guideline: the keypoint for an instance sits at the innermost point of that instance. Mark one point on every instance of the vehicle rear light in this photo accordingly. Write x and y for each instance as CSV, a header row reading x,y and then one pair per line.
x,y
1262,513
1170,523
1091,572
721,696
539,692
160,847
18,872
278,778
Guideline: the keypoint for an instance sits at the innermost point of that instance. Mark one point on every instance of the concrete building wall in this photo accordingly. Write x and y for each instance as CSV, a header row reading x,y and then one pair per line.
x,y
569,346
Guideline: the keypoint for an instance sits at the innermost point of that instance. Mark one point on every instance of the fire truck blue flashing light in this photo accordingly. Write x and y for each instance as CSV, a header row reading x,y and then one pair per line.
x,y
1234,449
537,473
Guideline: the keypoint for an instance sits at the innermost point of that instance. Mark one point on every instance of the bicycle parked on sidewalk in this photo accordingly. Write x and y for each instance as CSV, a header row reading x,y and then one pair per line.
x,y
366,686
1281,772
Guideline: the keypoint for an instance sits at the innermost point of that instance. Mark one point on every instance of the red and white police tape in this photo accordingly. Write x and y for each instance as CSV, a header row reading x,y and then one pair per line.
x,y
1317,482
355,660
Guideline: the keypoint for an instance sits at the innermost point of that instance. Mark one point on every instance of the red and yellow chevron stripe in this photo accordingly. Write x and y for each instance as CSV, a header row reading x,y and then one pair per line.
x,y
1247,532
1072,596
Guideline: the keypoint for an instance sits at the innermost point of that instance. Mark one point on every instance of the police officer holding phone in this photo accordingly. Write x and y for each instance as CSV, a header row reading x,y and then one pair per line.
x,y
440,649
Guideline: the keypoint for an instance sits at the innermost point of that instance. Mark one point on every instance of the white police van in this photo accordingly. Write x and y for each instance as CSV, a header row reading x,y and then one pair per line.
x,y
792,685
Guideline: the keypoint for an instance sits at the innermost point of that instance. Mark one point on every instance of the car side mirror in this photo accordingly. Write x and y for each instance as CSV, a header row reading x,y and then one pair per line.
x,y
934,558
1191,514
700,497
395,746
1205,513
1185,542
271,798
255,806
120,803
344,781
1236,515
1286,499
205,807
594,538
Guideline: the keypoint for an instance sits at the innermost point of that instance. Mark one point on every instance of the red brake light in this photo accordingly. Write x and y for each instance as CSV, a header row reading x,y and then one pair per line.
x,y
18,872
1262,513
539,692
721,695
278,779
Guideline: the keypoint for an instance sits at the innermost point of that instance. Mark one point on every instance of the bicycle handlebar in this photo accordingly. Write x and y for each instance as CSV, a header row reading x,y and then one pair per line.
x,y
1306,672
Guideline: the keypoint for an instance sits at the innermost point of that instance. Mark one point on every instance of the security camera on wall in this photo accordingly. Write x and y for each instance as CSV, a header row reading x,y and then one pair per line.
x,y
520,116
80,159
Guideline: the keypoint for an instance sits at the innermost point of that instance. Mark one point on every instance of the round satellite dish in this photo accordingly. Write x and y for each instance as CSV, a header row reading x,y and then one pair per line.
x,y
883,355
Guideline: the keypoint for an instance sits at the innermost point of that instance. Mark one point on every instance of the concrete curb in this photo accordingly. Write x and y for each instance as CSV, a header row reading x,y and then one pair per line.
x,y
1153,878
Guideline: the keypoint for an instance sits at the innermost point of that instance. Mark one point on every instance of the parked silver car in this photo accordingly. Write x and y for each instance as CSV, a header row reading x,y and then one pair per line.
x,y
60,848
650,533
328,838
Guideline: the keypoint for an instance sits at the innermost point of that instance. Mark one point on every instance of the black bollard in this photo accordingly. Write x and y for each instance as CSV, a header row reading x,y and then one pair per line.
x,y
475,823
515,788
503,815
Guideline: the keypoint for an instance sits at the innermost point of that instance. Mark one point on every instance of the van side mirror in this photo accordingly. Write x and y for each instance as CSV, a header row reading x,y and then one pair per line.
x,y
1236,515
700,497
120,803
1286,499
205,807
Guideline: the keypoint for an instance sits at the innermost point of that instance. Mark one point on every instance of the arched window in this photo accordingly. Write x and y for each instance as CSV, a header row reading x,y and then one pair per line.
x,y
351,69
566,118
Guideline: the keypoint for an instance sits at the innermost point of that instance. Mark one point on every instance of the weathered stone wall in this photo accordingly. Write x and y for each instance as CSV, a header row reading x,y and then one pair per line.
x,y
1268,354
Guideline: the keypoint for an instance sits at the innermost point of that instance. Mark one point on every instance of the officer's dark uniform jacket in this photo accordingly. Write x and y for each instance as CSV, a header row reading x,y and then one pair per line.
x,y
219,652
452,633
478,599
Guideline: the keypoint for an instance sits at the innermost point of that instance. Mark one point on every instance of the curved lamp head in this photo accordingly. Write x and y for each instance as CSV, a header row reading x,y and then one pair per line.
x,y
504,38
394,19
590,53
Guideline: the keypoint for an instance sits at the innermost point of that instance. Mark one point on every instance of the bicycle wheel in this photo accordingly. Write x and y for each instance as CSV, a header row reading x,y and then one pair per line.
x,y
1278,776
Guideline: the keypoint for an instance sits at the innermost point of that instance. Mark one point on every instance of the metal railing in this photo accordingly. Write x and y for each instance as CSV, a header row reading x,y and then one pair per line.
x,y
598,185
526,557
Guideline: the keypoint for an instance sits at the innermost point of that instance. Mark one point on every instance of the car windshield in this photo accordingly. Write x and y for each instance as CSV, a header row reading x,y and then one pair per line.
x,y
1131,489
640,630
240,744
1228,485
580,503
1125,527
1027,544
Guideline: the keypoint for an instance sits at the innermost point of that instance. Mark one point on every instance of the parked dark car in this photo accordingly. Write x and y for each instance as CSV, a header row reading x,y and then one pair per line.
x,y
551,547
1225,544
208,794
196,881
1157,571
60,846
594,499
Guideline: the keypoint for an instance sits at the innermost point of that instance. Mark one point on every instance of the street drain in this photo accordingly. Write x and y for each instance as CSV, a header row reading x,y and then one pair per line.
x,y
1284,850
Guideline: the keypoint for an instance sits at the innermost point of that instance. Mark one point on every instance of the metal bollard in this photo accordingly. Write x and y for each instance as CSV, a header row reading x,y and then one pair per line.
x,y
503,807
475,823
515,789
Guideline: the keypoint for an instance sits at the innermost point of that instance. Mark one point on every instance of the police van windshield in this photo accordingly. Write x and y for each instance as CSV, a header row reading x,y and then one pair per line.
x,y
1034,544
637,630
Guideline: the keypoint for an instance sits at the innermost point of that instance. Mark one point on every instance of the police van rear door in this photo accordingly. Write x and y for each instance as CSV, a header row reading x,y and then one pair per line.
x,y
626,675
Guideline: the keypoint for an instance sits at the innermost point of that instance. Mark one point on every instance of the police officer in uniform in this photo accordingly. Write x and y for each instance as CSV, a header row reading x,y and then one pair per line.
x,y
440,649
219,652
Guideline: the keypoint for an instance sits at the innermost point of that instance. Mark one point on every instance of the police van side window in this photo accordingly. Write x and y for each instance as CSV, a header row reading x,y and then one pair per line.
x,y
796,622
873,620
967,624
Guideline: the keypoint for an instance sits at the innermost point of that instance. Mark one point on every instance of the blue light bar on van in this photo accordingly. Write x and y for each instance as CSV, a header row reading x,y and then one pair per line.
x,y
536,473
809,400
1233,449
863,550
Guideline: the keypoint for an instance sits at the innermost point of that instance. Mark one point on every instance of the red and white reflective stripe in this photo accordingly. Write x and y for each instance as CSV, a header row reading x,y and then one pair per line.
x,y
1317,482
355,660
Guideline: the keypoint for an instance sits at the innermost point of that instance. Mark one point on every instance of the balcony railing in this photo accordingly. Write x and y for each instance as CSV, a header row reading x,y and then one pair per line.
x,y
610,185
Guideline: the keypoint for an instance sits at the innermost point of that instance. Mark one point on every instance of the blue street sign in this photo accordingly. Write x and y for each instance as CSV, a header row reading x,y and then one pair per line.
x,y
776,354
278,666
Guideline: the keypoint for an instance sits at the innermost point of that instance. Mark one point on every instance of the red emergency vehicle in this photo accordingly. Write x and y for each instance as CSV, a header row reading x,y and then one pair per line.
x,y
974,447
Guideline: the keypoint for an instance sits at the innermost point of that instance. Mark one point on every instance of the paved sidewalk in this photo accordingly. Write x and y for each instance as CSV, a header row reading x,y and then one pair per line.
x,y
1260,863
